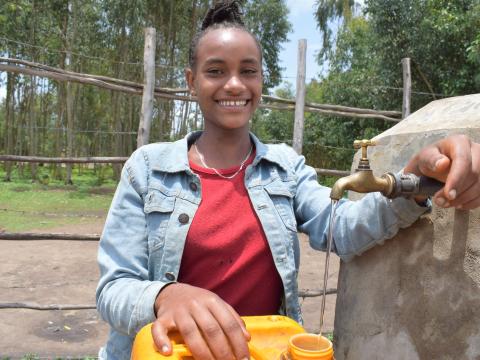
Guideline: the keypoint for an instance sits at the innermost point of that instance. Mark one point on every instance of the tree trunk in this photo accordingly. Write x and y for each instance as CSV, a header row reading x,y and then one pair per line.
x,y
32,121
70,88
61,103
9,121
32,128
116,97
20,126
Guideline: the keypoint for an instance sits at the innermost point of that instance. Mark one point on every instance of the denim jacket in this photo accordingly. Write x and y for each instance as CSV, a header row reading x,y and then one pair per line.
x,y
144,235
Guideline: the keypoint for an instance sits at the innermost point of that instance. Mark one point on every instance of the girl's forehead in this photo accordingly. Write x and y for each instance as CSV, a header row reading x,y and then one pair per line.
x,y
227,42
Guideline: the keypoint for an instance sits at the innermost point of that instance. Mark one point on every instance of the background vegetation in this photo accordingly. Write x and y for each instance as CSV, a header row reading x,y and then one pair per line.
x,y
363,47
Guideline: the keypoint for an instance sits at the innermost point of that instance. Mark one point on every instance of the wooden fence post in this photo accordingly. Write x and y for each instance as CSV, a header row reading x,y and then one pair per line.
x,y
407,87
148,87
300,97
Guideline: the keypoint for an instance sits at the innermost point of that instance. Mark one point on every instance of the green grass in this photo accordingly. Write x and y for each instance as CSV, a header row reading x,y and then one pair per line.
x,y
49,203
329,335
25,205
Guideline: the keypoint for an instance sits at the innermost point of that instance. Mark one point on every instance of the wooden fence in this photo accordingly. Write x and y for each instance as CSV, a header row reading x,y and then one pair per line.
x,y
148,91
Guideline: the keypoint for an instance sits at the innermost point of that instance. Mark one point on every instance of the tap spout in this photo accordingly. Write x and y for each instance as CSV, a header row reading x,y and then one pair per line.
x,y
362,181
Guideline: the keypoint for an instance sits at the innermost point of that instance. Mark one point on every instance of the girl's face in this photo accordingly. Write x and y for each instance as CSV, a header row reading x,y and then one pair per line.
x,y
227,78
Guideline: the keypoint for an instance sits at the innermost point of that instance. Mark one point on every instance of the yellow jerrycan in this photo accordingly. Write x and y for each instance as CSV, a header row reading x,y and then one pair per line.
x,y
273,337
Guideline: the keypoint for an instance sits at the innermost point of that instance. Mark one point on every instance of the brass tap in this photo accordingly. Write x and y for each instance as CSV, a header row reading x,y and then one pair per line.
x,y
363,180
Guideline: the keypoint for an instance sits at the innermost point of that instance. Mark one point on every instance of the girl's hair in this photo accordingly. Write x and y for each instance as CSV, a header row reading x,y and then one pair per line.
x,y
224,14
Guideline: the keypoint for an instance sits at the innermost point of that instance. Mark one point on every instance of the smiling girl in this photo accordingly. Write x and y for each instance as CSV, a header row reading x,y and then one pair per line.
x,y
203,230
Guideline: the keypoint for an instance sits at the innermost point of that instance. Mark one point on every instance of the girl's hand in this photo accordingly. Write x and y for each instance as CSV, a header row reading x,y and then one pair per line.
x,y
455,161
209,326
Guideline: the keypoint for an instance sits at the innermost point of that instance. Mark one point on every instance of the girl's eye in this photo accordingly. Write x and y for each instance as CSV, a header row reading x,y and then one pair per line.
x,y
250,71
214,71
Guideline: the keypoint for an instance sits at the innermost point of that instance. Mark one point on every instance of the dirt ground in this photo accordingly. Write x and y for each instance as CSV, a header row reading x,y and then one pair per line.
x,y
65,272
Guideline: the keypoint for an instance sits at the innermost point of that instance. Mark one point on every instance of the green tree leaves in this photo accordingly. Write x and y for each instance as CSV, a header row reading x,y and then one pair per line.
x,y
268,20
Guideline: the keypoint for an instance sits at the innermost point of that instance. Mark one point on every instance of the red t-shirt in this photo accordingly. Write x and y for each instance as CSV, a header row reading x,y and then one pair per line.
x,y
226,250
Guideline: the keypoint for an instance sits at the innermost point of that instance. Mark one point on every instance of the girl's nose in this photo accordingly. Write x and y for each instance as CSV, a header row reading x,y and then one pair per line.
x,y
234,84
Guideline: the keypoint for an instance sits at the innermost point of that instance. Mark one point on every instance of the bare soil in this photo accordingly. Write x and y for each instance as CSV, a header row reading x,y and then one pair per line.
x,y
65,272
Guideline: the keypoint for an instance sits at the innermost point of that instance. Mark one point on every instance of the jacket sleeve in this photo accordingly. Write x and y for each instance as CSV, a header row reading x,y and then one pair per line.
x,y
359,225
125,295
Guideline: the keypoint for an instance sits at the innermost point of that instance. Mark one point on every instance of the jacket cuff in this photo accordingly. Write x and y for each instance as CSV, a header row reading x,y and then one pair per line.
x,y
144,312
408,210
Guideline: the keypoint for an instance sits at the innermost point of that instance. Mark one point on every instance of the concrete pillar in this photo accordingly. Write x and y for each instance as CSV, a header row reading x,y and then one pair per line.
x,y
417,296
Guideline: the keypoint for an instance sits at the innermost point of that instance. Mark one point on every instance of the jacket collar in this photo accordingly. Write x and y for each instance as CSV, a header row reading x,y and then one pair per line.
x,y
174,157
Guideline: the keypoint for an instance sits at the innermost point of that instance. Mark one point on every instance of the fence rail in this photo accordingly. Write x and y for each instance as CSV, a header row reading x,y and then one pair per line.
x,y
105,82
48,236
116,160
63,160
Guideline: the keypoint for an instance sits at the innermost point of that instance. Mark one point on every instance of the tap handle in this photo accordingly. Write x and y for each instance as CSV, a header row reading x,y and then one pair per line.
x,y
429,186
363,144
407,185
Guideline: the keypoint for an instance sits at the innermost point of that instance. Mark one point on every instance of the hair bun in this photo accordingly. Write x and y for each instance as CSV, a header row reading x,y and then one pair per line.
x,y
227,11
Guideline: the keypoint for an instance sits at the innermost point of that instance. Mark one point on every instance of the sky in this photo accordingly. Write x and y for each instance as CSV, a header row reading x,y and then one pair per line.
x,y
303,27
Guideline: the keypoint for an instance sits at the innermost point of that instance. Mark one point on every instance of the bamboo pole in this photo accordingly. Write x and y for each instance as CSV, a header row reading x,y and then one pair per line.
x,y
92,76
303,293
330,112
332,172
112,160
35,306
148,88
68,77
333,107
300,97
63,160
407,87
48,236
315,292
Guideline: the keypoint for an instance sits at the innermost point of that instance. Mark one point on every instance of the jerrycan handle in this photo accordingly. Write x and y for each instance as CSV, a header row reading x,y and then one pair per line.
x,y
181,351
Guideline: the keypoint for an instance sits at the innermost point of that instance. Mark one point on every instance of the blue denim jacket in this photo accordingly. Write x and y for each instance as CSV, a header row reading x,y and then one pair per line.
x,y
142,242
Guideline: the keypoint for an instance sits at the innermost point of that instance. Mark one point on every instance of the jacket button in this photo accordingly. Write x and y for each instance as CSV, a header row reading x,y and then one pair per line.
x,y
183,218
170,276
193,186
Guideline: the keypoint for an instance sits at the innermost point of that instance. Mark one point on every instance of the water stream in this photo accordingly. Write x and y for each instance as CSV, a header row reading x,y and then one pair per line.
x,y
331,225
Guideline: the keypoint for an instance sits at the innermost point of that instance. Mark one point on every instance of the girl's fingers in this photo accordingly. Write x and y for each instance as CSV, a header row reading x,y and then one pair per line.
x,y
233,327
433,164
193,338
240,322
160,336
459,150
469,195
214,334
473,204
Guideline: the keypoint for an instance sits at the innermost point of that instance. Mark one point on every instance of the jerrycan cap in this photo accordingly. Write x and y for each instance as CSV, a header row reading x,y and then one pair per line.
x,y
307,346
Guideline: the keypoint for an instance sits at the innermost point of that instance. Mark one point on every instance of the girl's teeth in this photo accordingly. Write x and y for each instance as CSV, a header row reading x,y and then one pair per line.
x,y
233,103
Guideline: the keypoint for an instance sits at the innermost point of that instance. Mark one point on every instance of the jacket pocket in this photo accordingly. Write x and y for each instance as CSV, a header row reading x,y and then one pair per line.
x,y
158,209
282,198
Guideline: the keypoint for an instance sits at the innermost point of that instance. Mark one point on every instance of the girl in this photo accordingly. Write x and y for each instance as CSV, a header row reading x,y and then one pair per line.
x,y
203,230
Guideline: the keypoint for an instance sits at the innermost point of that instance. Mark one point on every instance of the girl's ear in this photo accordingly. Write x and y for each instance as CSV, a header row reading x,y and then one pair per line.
x,y
190,77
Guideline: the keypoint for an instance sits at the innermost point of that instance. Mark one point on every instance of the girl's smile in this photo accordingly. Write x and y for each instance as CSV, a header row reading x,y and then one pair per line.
x,y
227,78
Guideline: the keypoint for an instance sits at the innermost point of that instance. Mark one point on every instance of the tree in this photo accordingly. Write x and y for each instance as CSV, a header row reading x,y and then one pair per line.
x,y
441,37
105,37
329,11
275,125
438,35
268,20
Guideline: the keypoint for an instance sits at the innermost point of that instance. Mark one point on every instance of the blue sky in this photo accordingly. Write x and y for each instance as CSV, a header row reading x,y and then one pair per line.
x,y
304,27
